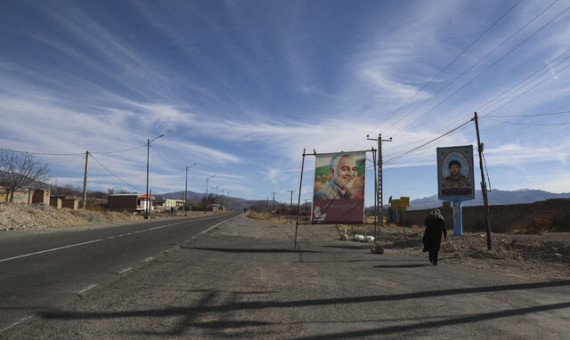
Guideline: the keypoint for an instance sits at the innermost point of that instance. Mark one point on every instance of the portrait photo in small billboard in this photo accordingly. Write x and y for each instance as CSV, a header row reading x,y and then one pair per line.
x,y
338,195
455,173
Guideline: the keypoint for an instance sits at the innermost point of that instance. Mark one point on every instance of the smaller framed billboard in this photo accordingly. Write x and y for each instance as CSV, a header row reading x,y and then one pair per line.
x,y
455,177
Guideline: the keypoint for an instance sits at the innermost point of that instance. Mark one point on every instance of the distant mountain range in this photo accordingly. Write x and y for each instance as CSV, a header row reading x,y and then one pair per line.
x,y
496,197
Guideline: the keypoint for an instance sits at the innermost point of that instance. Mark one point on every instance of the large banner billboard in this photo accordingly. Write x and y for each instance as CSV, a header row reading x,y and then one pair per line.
x,y
339,188
455,173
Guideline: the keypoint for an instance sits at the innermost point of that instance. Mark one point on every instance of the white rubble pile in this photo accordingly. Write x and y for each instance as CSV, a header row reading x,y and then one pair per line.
x,y
362,238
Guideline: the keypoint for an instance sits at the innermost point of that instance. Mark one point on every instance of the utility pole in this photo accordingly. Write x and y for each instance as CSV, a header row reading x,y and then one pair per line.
x,y
146,209
207,180
299,199
186,192
273,203
483,184
149,201
85,180
379,194
186,188
291,202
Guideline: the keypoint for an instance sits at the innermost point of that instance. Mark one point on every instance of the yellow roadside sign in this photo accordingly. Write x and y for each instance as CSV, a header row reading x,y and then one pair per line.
x,y
395,204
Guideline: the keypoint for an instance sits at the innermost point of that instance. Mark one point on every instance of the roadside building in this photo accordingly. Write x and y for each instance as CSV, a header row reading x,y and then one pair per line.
x,y
25,196
169,203
130,202
215,207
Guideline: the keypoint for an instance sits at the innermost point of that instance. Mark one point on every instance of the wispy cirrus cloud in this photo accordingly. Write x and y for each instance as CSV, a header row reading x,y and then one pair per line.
x,y
242,88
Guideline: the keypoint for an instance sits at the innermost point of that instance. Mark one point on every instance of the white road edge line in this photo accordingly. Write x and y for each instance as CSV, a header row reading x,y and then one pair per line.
x,y
23,319
126,270
215,225
86,289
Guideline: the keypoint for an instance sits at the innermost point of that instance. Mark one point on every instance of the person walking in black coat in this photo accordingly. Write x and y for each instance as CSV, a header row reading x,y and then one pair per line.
x,y
435,226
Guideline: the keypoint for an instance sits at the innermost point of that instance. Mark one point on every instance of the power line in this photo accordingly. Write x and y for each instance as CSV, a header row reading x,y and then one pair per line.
x,y
75,154
164,159
444,69
109,171
120,151
467,122
429,142
532,114
525,92
468,69
477,63
527,124
494,63
46,154
528,80
478,75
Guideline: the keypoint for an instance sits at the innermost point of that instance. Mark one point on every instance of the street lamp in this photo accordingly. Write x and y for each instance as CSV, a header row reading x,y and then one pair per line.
x,y
217,196
186,188
148,202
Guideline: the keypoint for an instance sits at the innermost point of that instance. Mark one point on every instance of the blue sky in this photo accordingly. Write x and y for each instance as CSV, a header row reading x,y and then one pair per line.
x,y
242,87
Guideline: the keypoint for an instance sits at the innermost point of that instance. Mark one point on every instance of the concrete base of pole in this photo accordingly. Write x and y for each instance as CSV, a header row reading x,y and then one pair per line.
x,y
457,219
376,249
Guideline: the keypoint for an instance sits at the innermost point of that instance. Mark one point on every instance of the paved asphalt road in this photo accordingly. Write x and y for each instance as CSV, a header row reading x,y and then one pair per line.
x,y
243,279
42,270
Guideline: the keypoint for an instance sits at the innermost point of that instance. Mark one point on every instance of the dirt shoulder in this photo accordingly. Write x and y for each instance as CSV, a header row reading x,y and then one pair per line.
x,y
539,256
544,256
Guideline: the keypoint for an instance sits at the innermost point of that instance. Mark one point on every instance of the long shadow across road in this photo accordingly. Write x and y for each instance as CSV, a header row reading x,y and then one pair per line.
x,y
194,313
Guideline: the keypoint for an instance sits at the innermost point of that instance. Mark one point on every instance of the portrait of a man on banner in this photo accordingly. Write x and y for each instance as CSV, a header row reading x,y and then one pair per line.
x,y
455,172
339,188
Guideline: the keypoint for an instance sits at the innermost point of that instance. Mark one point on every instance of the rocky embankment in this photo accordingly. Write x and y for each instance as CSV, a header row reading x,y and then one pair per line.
x,y
44,217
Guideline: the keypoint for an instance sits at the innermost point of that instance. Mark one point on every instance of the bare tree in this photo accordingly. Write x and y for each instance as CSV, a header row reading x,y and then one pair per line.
x,y
20,170
69,190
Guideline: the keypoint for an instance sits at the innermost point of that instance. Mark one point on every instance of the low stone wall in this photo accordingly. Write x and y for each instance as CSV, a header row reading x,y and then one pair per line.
x,y
549,215
70,203
56,202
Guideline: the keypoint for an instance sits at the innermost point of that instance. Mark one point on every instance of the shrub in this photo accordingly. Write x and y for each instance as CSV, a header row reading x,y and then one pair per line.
x,y
534,226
